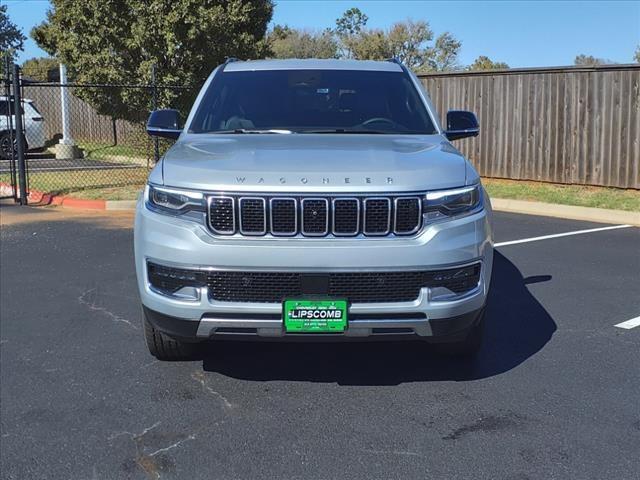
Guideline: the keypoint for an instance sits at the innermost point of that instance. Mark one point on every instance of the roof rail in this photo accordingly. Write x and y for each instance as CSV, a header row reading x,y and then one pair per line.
x,y
228,60
393,60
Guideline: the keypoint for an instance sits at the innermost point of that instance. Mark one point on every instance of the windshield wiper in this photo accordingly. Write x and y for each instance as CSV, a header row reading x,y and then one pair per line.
x,y
253,130
347,131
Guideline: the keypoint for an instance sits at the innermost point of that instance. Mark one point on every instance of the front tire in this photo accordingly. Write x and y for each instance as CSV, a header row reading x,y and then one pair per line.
x,y
6,145
164,347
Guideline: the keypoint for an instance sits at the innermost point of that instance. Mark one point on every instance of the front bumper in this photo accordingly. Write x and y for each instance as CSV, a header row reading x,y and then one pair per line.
x,y
187,244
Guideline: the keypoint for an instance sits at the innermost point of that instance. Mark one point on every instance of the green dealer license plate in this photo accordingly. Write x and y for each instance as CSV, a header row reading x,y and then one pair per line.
x,y
315,316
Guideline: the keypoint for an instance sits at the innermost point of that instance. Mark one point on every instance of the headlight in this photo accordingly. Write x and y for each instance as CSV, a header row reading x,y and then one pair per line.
x,y
452,203
173,201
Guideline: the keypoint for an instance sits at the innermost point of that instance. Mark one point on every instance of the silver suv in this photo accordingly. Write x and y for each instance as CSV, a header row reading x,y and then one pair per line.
x,y
313,200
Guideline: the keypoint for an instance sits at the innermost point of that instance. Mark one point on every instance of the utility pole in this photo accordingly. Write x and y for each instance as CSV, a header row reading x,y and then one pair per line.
x,y
66,148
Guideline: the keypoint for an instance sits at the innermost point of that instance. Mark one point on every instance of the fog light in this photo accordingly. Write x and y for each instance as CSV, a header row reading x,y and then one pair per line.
x,y
187,293
176,282
453,281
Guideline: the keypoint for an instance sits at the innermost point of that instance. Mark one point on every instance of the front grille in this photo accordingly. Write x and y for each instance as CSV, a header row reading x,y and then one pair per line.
x,y
261,287
315,216
407,214
253,216
222,215
377,216
357,287
284,216
346,216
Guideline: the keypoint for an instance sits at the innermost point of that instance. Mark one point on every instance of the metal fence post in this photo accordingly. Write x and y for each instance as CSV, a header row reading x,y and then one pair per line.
x,y
7,91
154,91
22,175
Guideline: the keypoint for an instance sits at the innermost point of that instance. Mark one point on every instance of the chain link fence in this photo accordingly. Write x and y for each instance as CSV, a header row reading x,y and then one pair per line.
x,y
76,140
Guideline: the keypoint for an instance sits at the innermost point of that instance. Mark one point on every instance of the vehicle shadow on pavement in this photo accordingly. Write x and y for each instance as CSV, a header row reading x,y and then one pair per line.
x,y
517,328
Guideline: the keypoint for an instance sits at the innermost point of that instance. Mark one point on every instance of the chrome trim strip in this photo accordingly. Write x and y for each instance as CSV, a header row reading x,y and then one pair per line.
x,y
395,215
233,214
299,193
326,226
439,194
209,325
364,227
295,216
412,268
264,216
333,217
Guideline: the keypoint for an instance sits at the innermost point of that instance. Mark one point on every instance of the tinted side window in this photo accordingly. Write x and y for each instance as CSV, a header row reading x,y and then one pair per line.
x,y
6,107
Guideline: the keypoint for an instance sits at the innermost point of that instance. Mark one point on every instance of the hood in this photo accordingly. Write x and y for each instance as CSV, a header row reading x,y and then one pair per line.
x,y
313,163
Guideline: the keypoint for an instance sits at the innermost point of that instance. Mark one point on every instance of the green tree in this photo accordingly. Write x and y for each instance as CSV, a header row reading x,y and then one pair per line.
x,y
39,68
485,63
587,60
637,55
119,41
408,43
286,42
371,44
11,38
444,54
348,27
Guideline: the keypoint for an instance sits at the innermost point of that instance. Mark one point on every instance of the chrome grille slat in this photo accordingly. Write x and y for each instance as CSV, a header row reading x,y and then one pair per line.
x,y
222,217
314,215
253,215
343,218
283,218
377,216
407,212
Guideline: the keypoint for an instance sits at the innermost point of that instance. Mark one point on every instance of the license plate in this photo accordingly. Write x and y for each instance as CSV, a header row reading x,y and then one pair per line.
x,y
315,316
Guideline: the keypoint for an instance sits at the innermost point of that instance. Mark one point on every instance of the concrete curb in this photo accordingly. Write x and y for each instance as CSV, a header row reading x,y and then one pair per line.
x,y
120,204
601,215
36,197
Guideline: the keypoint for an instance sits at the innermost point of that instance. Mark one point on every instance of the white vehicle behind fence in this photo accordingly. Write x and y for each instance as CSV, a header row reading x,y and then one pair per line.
x,y
33,127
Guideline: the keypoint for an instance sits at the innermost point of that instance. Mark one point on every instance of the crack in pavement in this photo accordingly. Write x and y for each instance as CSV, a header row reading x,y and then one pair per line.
x,y
392,452
174,445
91,305
200,378
144,460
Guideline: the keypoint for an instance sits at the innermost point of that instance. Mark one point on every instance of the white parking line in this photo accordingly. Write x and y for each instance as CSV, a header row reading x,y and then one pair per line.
x,y
629,324
557,235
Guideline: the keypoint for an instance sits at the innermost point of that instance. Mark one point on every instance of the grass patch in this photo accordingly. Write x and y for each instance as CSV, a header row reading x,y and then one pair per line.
x,y
598,197
115,183
108,152
126,192
126,183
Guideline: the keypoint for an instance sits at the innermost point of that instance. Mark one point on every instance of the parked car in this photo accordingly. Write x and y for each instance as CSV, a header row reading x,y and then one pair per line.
x,y
313,200
33,127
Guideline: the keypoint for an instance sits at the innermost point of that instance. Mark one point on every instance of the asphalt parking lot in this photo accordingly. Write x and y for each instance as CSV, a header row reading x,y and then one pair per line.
x,y
554,393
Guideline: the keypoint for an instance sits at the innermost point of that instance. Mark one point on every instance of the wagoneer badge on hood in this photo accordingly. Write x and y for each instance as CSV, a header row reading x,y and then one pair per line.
x,y
324,181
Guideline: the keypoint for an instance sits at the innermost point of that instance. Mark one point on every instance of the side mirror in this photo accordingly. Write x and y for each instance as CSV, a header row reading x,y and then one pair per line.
x,y
164,123
461,124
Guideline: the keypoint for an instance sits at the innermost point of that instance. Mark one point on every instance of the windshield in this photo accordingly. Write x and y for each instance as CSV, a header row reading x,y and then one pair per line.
x,y
312,101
